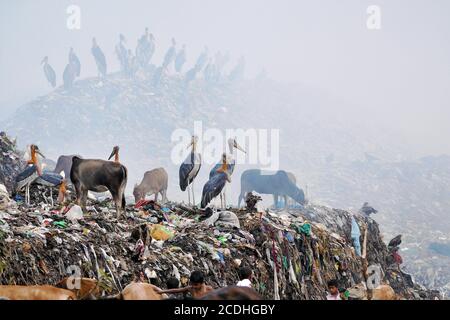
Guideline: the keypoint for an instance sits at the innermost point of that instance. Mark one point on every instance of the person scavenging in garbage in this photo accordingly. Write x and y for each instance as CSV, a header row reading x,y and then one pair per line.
x,y
197,287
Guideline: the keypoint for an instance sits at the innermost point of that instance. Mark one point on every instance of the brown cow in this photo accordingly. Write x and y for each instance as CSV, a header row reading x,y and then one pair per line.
x,y
139,291
154,182
84,288
382,292
45,292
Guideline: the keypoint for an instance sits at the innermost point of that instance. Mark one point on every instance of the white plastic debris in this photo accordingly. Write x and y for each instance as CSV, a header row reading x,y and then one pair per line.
x,y
75,213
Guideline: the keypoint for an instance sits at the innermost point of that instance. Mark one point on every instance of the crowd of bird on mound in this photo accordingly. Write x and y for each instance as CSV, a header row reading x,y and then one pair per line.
x,y
97,175
130,63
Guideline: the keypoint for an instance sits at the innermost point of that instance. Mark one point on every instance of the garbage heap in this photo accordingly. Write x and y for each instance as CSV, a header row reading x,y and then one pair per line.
x,y
11,161
292,253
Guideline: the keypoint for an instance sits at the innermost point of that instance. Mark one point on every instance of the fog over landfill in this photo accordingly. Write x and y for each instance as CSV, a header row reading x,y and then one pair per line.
x,y
397,76
363,114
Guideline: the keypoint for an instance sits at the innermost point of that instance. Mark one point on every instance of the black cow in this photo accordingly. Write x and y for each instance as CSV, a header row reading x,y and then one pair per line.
x,y
99,176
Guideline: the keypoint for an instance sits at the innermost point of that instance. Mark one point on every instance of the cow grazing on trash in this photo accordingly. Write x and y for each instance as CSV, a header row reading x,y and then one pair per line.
x,y
99,176
274,184
64,164
382,292
154,182
276,197
45,292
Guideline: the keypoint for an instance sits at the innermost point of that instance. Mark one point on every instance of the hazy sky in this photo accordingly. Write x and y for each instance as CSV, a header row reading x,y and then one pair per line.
x,y
399,75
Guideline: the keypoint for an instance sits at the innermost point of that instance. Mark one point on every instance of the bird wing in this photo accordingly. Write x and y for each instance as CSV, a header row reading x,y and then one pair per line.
x,y
213,188
185,169
26,176
189,170
50,179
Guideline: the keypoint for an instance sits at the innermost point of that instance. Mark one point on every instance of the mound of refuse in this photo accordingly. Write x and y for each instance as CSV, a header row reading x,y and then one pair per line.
x,y
11,162
292,253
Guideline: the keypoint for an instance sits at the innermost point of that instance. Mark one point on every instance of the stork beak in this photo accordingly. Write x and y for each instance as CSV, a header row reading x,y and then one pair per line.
x,y
40,153
237,146
112,154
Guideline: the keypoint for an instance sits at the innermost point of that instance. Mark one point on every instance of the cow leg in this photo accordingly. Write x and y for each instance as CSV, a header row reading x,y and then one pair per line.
x,y
156,196
117,201
285,201
78,192
84,194
275,200
163,195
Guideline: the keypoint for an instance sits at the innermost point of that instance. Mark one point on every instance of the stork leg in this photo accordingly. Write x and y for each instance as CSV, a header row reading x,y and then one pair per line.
x,y
51,196
27,194
224,198
189,195
193,193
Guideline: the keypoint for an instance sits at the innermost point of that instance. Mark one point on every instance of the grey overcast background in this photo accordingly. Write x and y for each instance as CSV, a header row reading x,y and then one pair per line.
x,y
398,76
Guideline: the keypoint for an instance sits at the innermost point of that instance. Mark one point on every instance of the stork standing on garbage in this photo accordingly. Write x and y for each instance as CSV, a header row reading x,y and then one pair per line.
x,y
99,56
216,183
30,174
189,169
49,72
231,163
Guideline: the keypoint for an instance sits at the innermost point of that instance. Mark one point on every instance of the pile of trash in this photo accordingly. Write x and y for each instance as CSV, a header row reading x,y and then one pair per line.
x,y
11,161
292,253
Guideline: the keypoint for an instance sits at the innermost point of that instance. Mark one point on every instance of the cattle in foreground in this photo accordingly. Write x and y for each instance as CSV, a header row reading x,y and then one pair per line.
x,y
45,292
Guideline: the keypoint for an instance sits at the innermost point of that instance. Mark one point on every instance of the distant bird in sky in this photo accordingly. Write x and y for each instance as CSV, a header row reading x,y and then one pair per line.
x,y
49,72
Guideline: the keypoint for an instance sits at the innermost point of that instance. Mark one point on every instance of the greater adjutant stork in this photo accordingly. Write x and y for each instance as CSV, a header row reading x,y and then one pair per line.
x,y
189,169
30,174
231,163
115,154
99,56
49,72
216,183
